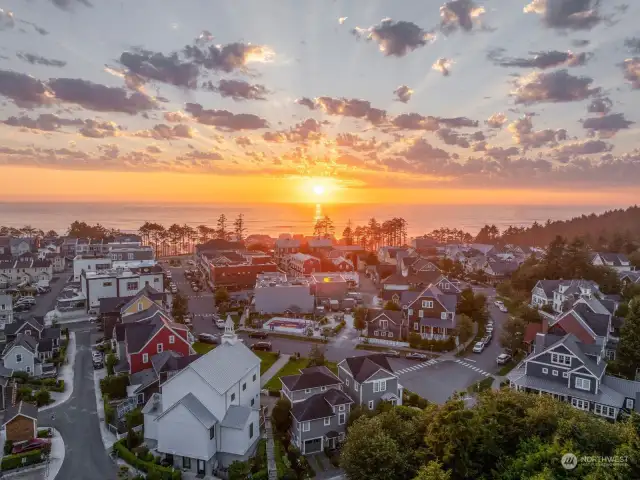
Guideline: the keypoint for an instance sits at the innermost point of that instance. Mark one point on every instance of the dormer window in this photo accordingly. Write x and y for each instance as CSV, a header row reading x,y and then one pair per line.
x,y
561,359
427,304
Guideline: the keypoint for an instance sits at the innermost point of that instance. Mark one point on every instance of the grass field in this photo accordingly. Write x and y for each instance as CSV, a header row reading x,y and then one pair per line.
x,y
268,358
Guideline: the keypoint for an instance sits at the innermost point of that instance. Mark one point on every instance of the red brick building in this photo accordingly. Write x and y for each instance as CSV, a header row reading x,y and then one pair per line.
x,y
238,276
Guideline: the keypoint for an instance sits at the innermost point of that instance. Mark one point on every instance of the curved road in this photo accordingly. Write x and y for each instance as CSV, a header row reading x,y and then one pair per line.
x,y
78,423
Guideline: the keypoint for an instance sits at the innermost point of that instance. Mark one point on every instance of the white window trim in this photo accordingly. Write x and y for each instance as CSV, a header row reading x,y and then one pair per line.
x,y
565,374
554,373
327,421
356,386
629,403
580,383
545,370
342,418
307,390
346,381
323,388
370,404
580,404
410,311
145,358
561,359
306,426
172,339
427,304
416,326
604,410
159,347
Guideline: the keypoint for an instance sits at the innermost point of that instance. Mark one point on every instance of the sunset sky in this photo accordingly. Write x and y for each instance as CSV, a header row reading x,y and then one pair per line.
x,y
260,101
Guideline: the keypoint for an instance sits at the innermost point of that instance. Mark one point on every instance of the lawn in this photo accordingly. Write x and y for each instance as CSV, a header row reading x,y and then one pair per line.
x,y
511,365
267,358
293,367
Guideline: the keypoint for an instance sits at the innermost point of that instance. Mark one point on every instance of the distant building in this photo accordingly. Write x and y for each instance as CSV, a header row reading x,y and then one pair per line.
x,y
284,247
617,261
301,264
90,263
561,294
329,286
119,282
432,314
6,310
24,270
276,293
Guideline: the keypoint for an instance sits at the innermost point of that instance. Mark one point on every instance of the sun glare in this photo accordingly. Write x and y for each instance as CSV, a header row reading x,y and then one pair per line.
x,y
318,190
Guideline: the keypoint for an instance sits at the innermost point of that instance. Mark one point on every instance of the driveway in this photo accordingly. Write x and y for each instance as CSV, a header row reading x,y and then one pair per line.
x,y
77,421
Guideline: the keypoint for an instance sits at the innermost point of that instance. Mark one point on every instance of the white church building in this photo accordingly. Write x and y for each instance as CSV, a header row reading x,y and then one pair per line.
x,y
207,415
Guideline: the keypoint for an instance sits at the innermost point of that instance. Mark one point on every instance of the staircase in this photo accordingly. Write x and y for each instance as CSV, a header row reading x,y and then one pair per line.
x,y
271,458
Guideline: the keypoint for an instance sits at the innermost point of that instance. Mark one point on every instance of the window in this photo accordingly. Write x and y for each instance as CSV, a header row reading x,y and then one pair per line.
x,y
370,404
565,374
356,386
580,404
107,284
254,377
384,324
327,421
306,426
445,285
28,369
427,304
342,418
244,386
379,386
561,359
443,316
341,408
253,401
251,430
233,397
132,286
390,334
583,383
186,463
212,432
410,311
554,373
545,370
629,404
421,313
145,358
307,390
156,280
28,332
416,326
375,333
604,410
131,256
323,388
159,348
346,381
172,339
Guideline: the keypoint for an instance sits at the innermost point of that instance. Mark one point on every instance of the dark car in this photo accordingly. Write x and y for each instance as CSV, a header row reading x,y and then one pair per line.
x,y
208,338
258,335
264,346
392,353
33,444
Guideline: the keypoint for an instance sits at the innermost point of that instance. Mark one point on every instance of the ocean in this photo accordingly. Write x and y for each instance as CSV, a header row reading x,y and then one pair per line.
x,y
273,219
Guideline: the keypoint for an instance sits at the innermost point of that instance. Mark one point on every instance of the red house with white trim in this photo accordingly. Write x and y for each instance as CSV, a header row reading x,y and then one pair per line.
x,y
142,337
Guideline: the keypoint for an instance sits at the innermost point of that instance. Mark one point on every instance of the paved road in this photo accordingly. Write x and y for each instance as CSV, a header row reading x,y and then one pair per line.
x,y
77,421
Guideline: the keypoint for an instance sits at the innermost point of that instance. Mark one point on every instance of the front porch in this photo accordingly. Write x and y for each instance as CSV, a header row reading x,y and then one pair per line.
x,y
434,333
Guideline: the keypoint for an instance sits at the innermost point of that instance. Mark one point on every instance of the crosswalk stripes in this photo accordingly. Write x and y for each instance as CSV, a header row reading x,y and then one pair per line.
x,y
473,367
413,368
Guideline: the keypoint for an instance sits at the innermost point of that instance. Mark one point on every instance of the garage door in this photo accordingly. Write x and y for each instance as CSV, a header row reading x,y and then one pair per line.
x,y
312,446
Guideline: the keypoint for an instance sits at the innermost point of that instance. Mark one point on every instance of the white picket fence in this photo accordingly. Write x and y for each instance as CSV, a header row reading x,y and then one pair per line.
x,y
383,341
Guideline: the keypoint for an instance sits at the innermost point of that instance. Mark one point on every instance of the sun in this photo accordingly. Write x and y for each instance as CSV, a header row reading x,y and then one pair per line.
x,y
318,190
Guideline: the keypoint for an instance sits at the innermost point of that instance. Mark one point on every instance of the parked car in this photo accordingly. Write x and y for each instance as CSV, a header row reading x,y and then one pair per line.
x,y
416,356
503,358
478,347
498,303
392,353
33,444
21,307
28,299
208,338
486,340
264,346
258,335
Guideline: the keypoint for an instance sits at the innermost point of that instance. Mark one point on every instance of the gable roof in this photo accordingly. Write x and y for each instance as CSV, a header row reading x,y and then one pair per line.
x,y
394,316
147,291
236,417
612,259
319,405
23,340
112,304
15,327
571,343
170,361
598,322
363,367
548,286
448,301
223,366
22,408
313,377
196,408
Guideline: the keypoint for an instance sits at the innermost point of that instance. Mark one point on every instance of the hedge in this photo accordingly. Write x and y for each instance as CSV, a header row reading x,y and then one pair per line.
x,y
115,386
10,462
166,473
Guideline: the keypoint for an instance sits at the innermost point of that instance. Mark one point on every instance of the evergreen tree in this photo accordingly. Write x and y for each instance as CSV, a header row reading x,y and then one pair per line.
x,y
628,354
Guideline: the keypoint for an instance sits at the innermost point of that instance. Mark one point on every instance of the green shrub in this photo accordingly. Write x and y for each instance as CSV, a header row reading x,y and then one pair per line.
x,y
164,473
115,386
20,377
44,433
24,393
15,461
48,382
43,397
8,447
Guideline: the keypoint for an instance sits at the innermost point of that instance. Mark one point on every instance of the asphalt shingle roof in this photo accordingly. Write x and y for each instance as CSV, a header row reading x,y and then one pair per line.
x,y
21,408
310,378
364,366
236,417
319,405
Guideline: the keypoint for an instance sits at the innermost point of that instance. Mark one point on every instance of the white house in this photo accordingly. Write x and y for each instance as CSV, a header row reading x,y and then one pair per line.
x,y
119,282
6,310
207,415
21,355
90,263
24,270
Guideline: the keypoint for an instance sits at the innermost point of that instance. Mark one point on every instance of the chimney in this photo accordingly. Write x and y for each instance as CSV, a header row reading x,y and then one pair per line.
x,y
545,325
539,343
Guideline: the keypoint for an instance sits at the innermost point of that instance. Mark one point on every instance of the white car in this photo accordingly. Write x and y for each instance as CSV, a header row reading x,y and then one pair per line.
x,y
503,358
478,347
498,303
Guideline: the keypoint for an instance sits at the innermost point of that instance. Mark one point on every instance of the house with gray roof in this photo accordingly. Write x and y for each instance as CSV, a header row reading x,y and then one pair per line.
x,y
369,380
628,278
574,372
21,355
432,315
320,409
206,416
6,310
562,294
617,261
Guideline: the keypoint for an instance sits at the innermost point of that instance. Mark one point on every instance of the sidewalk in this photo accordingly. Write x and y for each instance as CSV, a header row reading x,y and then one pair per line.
x,y
271,458
56,458
108,438
67,374
275,368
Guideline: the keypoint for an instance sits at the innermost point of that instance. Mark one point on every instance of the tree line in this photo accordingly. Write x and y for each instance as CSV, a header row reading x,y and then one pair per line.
x,y
616,231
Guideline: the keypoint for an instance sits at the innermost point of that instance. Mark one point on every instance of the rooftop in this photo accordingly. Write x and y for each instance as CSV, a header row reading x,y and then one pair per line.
x,y
276,279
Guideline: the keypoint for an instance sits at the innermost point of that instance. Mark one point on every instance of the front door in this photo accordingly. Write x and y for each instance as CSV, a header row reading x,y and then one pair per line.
x,y
201,467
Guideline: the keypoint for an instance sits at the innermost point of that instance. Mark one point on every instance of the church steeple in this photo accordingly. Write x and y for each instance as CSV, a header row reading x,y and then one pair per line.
x,y
229,336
